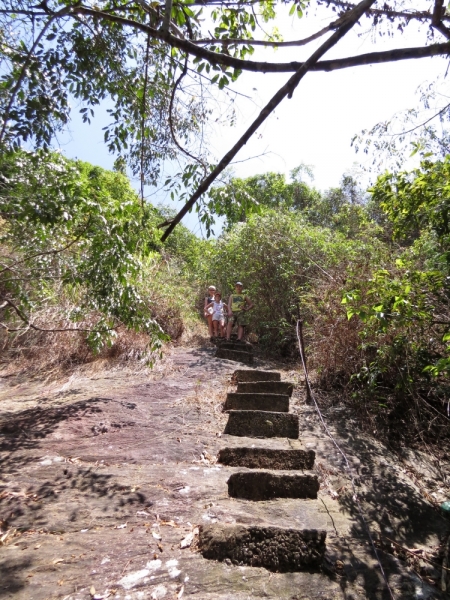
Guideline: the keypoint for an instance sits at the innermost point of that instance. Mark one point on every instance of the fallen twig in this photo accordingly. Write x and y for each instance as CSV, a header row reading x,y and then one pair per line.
x,y
444,566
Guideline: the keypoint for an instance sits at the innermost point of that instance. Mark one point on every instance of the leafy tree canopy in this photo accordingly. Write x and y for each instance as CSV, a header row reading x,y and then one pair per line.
x,y
71,226
151,60
341,208
413,293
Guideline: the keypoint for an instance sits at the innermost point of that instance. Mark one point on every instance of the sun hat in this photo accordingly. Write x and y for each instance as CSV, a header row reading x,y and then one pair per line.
x,y
211,287
239,283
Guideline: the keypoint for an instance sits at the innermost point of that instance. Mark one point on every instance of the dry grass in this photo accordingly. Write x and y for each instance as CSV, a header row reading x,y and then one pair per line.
x,y
42,353
39,353
334,342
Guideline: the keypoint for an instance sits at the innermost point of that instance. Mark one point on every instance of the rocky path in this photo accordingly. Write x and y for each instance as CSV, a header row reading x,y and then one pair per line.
x,y
106,481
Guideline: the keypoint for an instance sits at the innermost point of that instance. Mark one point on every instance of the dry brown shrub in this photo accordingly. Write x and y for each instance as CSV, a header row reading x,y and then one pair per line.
x,y
41,353
333,341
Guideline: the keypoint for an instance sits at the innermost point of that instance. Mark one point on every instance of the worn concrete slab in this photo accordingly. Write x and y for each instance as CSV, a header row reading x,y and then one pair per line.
x,y
276,549
267,458
266,485
256,423
238,356
265,387
266,402
256,375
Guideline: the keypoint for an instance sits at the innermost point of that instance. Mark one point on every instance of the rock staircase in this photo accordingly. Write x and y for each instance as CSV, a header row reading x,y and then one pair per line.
x,y
260,409
233,350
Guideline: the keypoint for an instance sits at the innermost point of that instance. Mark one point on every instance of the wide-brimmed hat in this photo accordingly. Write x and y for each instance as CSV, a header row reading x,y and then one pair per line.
x,y
211,287
239,283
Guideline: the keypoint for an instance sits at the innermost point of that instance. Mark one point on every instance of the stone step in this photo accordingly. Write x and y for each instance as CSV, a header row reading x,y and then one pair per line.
x,y
235,345
266,485
259,423
243,357
274,548
265,387
266,402
255,375
267,458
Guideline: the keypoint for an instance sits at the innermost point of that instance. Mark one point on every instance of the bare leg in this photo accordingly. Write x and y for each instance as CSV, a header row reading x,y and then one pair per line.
x,y
229,329
210,325
240,332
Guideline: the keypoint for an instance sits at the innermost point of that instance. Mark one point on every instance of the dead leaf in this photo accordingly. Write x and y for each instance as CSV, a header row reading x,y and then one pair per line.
x,y
92,591
160,548
187,541
181,592
169,523
37,546
8,534
156,535
121,526
57,560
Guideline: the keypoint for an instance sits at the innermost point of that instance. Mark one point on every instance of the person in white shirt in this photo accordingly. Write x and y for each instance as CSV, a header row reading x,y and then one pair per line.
x,y
219,309
207,312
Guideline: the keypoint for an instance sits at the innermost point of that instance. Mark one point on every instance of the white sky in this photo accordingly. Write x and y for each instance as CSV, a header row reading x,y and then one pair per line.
x,y
314,127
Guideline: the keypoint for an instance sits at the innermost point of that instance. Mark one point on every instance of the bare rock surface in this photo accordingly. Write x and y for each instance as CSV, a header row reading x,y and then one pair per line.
x,y
107,476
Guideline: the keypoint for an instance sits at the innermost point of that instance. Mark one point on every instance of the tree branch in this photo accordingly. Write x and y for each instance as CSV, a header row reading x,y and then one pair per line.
x,y
387,12
172,99
218,58
64,11
45,253
167,14
287,90
238,41
144,100
26,320
436,22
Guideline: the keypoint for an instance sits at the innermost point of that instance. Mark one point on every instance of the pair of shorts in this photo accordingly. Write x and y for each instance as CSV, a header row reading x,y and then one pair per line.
x,y
218,317
240,319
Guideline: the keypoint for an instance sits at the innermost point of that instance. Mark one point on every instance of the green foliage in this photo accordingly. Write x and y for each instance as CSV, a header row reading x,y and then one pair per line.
x,y
418,201
281,259
84,228
422,129
339,208
404,306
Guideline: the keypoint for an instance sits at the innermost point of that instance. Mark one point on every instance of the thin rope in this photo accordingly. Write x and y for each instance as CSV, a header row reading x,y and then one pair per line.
x,y
347,464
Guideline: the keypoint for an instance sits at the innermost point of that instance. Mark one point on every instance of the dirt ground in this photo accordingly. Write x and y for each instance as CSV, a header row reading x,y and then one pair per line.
x,y
106,475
